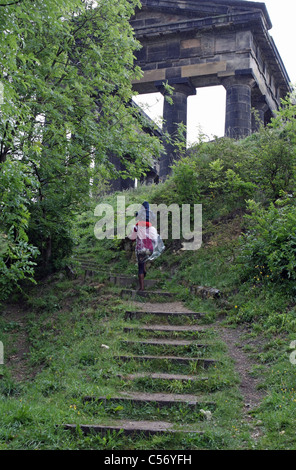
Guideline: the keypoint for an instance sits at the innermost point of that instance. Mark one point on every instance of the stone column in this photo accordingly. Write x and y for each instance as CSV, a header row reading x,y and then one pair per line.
x,y
260,108
238,122
173,114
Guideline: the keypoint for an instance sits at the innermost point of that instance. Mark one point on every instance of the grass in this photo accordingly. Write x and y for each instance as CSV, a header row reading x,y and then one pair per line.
x,y
65,361
64,326
55,354
65,332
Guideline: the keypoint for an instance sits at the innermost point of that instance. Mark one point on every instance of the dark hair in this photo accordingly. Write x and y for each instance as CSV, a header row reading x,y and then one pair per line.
x,y
146,206
145,214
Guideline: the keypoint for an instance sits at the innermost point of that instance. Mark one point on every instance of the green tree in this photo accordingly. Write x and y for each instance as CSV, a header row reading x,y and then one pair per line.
x,y
67,71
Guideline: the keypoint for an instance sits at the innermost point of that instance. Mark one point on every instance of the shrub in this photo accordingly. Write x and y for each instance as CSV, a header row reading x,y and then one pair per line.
x,y
268,248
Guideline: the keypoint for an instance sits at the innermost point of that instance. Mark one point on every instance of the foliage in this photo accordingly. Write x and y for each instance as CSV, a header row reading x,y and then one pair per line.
x,y
274,163
269,245
67,71
16,253
224,173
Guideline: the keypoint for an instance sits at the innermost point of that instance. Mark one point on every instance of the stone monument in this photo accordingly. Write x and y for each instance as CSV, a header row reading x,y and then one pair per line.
x,y
190,44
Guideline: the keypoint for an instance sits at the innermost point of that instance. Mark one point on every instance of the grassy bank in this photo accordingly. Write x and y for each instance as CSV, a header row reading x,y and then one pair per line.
x,y
55,349
69,333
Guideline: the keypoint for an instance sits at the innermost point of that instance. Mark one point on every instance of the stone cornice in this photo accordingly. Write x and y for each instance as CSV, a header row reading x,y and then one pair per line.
x,y
231,20
254,20
206,8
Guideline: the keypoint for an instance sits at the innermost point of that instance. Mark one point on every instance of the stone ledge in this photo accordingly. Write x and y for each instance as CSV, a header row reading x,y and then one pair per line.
x,y
130,427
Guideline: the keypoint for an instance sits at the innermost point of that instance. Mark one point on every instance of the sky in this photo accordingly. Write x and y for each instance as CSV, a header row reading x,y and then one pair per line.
x,y
206,110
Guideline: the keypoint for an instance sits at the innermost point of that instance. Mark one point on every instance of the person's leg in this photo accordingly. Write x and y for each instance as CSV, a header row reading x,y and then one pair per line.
x,y
141,274
141,281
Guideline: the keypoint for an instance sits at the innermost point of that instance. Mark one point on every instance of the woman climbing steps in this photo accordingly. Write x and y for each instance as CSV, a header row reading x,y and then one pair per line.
x,y
146,239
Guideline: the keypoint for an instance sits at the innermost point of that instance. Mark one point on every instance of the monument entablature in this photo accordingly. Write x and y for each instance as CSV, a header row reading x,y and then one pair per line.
x,y
194,44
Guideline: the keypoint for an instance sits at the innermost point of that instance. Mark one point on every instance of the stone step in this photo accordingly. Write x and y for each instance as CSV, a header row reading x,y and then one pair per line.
x,y
160,399
167,342
90,265
147,294
130,428
86,262
166,328
166,331
140,313
130,281
206,292
163,376
174,359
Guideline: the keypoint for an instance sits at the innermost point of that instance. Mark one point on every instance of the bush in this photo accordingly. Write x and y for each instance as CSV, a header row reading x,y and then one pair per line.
x,y
268,248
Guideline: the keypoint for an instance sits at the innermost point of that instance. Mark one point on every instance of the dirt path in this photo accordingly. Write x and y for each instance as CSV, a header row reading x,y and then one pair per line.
x,y
232,337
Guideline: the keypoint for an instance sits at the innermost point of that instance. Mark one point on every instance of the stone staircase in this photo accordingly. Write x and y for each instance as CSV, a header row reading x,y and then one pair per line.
x,y
167,353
